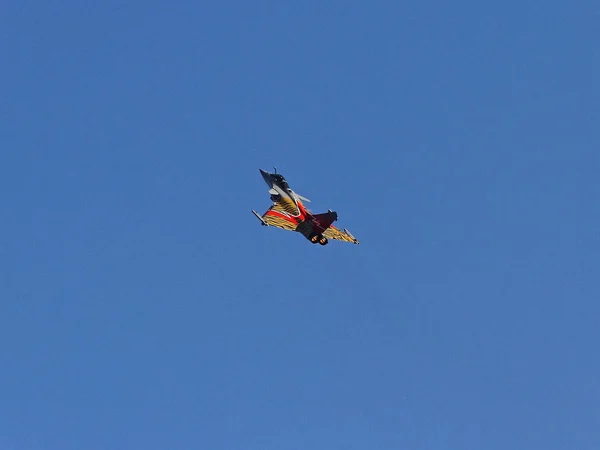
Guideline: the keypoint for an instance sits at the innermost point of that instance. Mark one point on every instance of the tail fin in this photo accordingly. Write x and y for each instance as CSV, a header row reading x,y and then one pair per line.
x,y
324,220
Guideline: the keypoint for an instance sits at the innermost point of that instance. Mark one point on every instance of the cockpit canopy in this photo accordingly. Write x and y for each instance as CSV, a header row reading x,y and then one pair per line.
x,y
280,180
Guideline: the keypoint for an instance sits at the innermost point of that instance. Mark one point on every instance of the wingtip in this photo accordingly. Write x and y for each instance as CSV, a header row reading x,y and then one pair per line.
x,y
258,216
351,236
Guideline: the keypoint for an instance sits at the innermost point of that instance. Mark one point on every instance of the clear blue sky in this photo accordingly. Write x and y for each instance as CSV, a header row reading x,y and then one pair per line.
x,y
142,306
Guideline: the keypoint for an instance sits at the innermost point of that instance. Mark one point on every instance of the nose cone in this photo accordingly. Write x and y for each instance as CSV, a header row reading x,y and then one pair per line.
x,y
267,177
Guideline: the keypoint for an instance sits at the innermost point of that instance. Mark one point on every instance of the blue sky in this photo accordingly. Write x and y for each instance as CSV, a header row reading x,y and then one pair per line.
x,y
142,305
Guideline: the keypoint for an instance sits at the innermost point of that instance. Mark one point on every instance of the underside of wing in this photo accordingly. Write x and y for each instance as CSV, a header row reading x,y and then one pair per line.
x,y
277,216
279,222
286,205
339,235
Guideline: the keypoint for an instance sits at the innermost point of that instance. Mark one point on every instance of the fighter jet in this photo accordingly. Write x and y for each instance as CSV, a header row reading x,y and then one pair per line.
x,y
288,212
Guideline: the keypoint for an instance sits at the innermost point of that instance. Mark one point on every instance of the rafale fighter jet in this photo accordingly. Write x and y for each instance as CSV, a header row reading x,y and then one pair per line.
x,y
288,212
